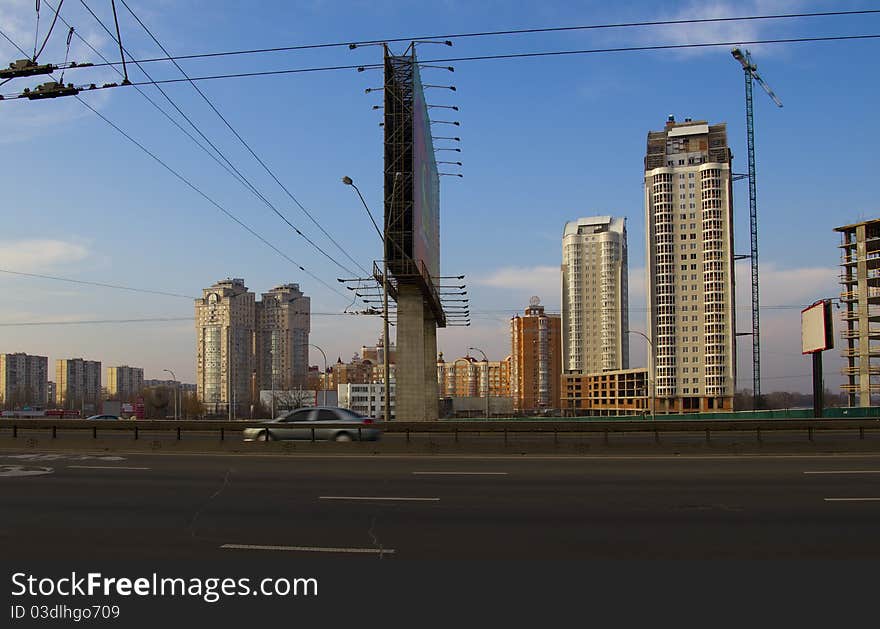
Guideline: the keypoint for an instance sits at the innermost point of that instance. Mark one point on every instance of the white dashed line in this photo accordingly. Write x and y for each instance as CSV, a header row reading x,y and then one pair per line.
x,y
852,499
310,549
396,498
460,473
844,472
104,467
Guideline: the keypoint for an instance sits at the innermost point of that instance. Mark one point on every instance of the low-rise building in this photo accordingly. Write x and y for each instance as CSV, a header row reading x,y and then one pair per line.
x,y
618,392
366,398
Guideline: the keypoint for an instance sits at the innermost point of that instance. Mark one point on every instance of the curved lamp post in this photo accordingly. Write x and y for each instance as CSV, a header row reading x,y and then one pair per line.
x,y
176,394
324,384
651,381
477,349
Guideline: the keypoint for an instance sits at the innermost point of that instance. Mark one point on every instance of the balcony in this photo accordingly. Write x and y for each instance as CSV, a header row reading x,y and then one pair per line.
x,y
873,370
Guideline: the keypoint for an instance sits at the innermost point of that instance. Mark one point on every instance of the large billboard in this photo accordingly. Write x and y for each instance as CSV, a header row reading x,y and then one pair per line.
x,y
426,185
412,187
817,331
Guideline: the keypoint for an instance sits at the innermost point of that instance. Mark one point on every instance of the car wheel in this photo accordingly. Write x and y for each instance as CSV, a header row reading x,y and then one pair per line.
x,y
343,436
266,436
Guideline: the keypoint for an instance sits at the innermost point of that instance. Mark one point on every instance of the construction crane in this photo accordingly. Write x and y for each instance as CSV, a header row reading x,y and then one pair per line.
x,y
751,74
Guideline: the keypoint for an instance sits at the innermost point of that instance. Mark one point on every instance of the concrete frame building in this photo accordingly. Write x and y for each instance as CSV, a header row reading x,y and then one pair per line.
x,y
77,383
282,338
689,251
124,383
860,296
618,392
225,320
536,359
595,304
23,380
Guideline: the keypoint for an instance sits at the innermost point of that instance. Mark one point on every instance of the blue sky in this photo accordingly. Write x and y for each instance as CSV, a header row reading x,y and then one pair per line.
x,y
544,141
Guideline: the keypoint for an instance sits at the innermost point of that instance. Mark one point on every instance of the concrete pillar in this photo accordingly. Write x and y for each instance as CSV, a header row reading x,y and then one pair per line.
x,y
416,384
430,390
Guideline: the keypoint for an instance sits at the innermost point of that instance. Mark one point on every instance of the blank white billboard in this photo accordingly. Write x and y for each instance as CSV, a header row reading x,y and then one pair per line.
x,y
816,332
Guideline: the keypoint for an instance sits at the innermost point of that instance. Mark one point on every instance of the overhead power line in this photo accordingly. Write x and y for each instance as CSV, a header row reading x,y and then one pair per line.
x,y
255,156
522,55
197,189
23,324
98,284
524,31
239,175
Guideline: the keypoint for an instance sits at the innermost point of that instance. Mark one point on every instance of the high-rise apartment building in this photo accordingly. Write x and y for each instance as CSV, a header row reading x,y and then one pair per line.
x,y
225,367
860,296
595,301
282,338
23,380
244,345
124,383
77,383
536,359
689,250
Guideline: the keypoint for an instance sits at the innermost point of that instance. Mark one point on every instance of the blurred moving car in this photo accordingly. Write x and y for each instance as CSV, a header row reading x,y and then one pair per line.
x,y
103,417
322,421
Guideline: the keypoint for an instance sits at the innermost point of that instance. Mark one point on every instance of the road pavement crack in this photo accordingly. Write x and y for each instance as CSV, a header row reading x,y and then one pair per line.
x,y
374,538
201,509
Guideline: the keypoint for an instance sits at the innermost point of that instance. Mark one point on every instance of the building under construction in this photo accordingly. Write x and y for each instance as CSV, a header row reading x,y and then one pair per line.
x,y
860,297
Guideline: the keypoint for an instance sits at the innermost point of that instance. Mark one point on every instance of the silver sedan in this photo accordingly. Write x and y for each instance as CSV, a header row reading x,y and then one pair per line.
x,y
319,424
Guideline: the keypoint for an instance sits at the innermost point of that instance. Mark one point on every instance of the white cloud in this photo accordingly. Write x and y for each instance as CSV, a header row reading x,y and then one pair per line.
x,y
739,31
785,287
37,255
524,282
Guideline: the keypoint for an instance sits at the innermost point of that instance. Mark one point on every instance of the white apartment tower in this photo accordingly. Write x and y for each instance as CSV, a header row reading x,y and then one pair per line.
x,y
594,295
225,319
689,249
282,349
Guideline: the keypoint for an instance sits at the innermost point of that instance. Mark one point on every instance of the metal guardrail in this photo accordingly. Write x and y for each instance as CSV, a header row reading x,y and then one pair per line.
x,y
547,428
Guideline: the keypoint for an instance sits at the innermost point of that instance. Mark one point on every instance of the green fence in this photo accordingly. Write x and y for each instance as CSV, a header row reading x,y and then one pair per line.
x,y
854,412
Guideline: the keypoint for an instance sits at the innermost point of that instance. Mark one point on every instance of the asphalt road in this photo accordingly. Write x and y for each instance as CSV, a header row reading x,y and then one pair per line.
x,y
151,506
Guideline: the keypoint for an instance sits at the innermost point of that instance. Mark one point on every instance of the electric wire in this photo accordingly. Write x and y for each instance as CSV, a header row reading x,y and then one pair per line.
x,y
523,55
98,284
197,189
154,103
22,324
249,149
716,20
243,179
46,41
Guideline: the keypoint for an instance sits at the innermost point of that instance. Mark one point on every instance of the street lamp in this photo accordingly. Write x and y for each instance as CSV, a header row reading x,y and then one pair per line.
x,y
324,384
653,369
176,393
477,349
383,235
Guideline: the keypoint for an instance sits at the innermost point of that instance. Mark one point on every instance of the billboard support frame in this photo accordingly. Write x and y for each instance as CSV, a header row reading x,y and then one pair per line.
x,y
399,178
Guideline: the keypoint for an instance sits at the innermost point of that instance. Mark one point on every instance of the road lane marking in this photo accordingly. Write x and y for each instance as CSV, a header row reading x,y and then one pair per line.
x,y
460,473
310,549
844,472
23,470
105,467
397,498
852,499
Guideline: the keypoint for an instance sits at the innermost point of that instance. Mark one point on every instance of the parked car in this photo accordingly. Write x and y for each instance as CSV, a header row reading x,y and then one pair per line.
x,y
323,421
103,417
